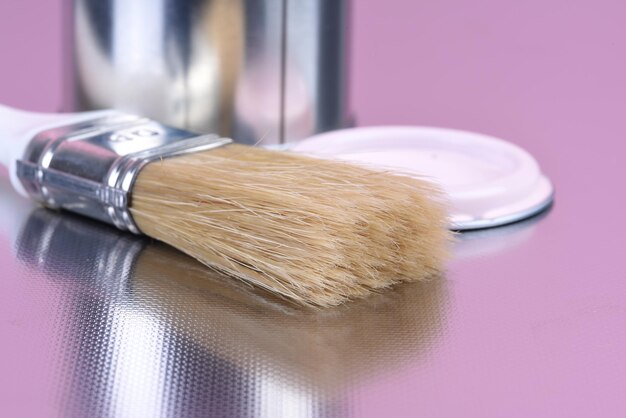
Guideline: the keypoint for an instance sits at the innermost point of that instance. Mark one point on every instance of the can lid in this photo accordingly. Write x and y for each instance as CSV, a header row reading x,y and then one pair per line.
x,y
490,182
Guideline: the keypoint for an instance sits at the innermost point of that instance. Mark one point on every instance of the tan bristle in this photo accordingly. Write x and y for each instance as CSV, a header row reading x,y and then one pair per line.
x,y
317,231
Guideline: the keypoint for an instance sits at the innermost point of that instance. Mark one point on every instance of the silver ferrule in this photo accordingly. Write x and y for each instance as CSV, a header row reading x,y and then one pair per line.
x,y
90,167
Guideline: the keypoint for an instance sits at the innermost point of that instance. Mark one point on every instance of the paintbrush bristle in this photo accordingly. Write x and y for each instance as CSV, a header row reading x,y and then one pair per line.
x,y
317,231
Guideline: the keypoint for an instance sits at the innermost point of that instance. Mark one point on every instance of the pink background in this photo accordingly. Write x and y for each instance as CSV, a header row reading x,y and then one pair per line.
x,y
540,329
530,72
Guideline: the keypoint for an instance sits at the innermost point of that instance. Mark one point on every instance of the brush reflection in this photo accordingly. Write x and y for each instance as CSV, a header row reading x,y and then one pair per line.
x,y
151,332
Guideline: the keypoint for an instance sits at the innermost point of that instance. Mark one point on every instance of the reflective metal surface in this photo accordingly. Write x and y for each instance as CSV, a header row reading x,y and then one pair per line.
x,y
139,329
250,69
95,322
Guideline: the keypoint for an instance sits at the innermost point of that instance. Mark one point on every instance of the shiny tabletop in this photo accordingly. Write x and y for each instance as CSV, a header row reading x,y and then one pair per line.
x,y
96,322
529,320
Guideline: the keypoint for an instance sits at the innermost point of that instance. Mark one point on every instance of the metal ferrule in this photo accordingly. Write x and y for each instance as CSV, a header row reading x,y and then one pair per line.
x,y
90,167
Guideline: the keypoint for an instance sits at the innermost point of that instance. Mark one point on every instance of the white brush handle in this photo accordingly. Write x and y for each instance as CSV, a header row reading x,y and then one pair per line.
x,y
14,125
17,128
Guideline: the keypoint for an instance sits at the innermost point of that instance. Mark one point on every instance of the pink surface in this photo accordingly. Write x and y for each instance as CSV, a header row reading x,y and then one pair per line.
x,y
30,47
537,329
549,76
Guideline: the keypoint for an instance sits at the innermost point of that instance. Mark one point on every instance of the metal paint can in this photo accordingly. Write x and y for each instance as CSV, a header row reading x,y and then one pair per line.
x,y
269,71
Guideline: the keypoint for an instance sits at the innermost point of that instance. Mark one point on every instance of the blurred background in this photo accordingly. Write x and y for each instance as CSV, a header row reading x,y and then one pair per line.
x,y
529,72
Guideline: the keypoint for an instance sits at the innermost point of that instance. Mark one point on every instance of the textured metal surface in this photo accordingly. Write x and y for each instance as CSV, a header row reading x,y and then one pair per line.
x,y
128,327
95,322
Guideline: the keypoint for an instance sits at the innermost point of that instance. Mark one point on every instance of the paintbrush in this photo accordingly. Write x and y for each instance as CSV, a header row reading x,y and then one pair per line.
x,y
317,231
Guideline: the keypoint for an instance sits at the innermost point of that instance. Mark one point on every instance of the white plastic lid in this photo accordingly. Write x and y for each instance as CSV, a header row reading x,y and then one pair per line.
x,y
490,182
